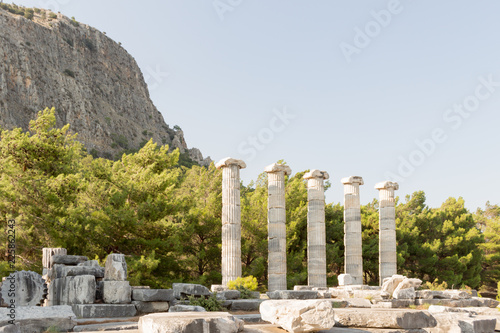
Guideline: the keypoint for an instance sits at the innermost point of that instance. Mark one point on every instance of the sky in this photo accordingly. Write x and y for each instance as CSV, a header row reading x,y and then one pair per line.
x,y
388,90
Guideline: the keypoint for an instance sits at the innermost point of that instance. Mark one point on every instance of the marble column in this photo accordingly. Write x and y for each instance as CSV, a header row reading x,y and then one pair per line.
x,y
352,229
276,226
231,218
316,236
387,230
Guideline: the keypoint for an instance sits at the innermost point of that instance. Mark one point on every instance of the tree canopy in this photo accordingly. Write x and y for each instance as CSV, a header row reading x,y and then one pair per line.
x,y
165,216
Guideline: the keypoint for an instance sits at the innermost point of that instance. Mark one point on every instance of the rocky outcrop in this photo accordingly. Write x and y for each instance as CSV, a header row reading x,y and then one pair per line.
x,y
94,84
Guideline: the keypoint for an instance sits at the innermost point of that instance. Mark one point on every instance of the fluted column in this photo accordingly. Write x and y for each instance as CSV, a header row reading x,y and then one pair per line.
x,y
387,230
276,225
231,218
316,236
352,229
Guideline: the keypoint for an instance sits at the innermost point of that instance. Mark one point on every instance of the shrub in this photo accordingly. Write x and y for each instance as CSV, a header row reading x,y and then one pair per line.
x,y
69,72
210,304
29,13
37,10
435,285
52,15
88,44
498,291
74,22
248,282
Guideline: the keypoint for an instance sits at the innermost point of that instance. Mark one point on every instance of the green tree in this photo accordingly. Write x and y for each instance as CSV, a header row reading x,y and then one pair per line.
x,y
488,221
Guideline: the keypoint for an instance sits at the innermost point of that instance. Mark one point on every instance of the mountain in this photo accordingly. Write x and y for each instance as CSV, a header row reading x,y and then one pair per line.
x,y
49,60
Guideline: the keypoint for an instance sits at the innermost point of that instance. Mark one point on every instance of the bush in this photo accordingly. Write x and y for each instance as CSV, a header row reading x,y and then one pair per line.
x,y
210,304
74,22
29,13
248,282
69,72
498,291
435,285
53,15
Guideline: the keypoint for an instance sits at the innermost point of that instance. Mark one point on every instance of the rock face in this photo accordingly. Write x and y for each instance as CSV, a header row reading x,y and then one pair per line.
x,y
299,315
93,83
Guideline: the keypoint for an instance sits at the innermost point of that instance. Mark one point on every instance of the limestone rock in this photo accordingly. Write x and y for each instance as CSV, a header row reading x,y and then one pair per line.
x,y
151,307
293,294
359,303
299,315
67,259
345,279
186,308
72,290
116,292
182,290
38,319
384,318
153,295
228,294
409,283
463,323
302,287
95,85
104,310
245,304
199,322
116,267
390,284
408,293
48,253
24,288
218,288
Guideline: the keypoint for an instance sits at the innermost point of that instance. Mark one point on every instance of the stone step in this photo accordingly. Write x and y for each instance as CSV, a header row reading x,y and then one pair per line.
x,y
131,325
384,318
89,321
104,310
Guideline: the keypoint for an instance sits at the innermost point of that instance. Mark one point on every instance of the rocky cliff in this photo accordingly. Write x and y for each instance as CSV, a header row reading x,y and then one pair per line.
x,y
49,60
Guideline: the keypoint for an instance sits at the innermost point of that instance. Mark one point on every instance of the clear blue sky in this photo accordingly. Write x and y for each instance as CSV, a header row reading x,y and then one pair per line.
x,y
361,81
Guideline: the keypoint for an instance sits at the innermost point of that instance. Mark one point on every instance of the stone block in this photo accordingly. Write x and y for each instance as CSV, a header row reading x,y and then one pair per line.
x,y
59,271
182,290
228,294
72,290
358,303
104,310
345,279
116,292
65,259
462,322
186,308
153,295
487,302
337,303
90,263
384,318
339,293
48,252
390,284
38,319
299,315
408,293
302,287
199,322
245,304
215,288
115,268
151,307
293,294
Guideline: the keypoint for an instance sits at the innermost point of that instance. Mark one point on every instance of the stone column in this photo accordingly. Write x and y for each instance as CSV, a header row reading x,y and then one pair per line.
x,y
276,226
47,253
316,236
352,229
231,218
387,230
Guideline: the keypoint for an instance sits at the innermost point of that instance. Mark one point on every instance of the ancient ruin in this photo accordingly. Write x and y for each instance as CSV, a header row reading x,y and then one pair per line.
x,y
276,226
387,230
316,237
352,229
231,218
